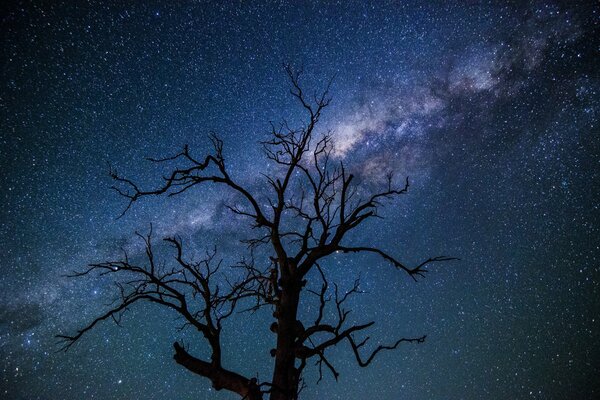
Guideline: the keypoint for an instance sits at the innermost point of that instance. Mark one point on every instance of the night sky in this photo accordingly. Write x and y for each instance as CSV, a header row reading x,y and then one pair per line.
x,y
490,109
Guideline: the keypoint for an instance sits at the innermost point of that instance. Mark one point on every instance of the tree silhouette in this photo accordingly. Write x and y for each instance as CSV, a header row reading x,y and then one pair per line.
x,y
313,205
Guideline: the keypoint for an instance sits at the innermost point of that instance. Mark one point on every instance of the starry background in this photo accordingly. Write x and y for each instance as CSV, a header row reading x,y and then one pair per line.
x,y
491,109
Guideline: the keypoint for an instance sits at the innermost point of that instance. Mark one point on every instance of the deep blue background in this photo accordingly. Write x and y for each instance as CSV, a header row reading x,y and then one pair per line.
x,y
491,109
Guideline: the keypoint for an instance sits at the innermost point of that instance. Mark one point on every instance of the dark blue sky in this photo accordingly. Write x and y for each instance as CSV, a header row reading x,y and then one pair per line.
x,y
491,109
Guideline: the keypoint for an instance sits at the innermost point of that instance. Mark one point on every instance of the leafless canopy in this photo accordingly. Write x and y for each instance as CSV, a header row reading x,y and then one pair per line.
x,y
313,204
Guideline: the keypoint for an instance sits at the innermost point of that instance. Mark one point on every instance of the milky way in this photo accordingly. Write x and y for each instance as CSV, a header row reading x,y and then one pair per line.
x,y
491,111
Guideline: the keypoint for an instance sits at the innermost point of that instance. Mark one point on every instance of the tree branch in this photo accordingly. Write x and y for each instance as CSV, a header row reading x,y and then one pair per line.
x,y
413,272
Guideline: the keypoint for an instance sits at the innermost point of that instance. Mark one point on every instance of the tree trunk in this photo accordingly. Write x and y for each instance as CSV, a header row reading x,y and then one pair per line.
x,y
285,374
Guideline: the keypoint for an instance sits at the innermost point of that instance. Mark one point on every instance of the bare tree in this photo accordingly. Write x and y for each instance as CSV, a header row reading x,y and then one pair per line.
x,y
313,204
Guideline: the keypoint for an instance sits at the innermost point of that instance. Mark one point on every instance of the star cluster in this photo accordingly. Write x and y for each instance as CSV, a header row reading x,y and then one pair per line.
x,y
491,109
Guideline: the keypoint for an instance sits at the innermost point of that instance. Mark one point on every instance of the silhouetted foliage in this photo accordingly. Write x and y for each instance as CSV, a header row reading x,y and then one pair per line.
x,y
308,188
